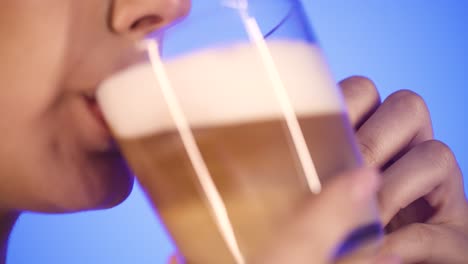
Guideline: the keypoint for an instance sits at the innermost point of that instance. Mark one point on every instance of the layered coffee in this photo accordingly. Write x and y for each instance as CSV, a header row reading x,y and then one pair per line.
x,y
242,136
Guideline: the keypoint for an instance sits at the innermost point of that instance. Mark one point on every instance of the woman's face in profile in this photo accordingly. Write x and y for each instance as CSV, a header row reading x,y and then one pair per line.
x,y
56,155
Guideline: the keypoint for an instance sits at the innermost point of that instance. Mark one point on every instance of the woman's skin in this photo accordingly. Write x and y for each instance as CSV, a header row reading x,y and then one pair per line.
x,y
56,156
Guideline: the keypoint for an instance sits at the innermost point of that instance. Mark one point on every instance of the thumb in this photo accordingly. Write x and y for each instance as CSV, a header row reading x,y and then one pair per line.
x,y
317,231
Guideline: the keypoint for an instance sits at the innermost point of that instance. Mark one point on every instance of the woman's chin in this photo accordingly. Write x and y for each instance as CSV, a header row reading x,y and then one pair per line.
x,y
103,183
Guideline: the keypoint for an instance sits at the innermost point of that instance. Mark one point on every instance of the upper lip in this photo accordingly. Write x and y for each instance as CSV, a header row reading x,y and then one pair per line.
x,y
128,58
89,94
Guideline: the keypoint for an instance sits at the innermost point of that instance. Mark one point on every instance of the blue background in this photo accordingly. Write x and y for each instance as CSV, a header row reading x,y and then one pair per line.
x,y
418,45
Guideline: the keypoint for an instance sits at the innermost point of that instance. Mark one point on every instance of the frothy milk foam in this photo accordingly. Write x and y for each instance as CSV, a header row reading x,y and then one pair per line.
x,y
222,92
222,86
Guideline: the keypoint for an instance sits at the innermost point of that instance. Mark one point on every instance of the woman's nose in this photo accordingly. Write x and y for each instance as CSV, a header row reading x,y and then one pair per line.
x,y
137,18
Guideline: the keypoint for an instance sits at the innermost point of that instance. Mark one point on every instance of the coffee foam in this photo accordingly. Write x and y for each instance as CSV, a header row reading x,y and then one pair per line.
x,y
218,87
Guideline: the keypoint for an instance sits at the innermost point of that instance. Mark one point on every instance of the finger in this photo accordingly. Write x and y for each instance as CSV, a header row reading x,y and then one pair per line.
x,y
424,243
361,98
401,122
341,199
327,219
428,170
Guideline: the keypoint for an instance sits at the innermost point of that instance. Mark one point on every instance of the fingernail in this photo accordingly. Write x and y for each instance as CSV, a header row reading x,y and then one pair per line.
x,y
365,184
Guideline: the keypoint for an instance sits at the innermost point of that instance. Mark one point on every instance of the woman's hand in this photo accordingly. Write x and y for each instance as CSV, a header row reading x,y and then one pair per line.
x,y
422,199
320,227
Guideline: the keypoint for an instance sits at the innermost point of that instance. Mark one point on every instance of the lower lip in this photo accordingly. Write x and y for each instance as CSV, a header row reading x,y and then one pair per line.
x,y
97,113
97,133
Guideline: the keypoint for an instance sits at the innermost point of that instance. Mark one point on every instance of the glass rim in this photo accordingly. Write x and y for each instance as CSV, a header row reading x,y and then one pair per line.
x,y
210,13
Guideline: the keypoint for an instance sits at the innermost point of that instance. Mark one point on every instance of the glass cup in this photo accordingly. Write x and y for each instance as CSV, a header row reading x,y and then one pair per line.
x,y
230,122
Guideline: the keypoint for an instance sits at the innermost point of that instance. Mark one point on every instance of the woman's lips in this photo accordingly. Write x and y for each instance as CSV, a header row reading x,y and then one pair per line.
x,y
96,131
96,112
